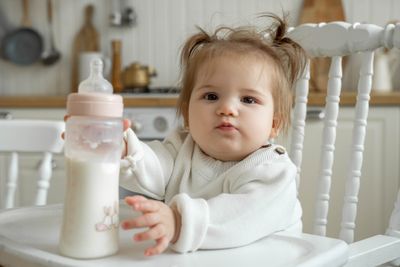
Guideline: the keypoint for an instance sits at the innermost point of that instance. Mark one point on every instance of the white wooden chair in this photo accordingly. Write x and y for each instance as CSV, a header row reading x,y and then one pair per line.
x,y
40,136
335,40
301,250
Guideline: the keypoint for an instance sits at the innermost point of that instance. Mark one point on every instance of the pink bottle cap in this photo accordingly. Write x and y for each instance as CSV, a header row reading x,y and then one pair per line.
x,y
99,105
95,97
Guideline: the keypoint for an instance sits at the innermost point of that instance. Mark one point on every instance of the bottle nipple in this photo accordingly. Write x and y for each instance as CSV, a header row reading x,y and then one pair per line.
x,y
95,83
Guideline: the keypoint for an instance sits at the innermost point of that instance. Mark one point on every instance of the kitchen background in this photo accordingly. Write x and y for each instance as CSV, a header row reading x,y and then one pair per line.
x,y
155,38
39,92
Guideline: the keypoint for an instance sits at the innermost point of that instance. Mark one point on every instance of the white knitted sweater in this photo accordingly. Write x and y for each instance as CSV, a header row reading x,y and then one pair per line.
x,y
222,204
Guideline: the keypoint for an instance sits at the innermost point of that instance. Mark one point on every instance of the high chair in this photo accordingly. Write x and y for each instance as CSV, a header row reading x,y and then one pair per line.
x,y
27,136
335,40
35,243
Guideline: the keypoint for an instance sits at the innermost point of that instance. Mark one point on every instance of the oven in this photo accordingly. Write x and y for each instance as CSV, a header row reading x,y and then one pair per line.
x,y
151,123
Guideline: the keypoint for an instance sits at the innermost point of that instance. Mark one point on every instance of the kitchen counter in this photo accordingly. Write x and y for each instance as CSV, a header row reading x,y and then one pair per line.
x,y
60,101
143,100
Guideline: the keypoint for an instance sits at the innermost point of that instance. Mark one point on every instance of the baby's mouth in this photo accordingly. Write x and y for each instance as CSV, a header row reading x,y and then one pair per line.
x,y
226,126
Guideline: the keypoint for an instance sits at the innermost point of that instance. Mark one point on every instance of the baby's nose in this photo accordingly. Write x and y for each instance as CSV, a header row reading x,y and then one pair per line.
x,y
227,108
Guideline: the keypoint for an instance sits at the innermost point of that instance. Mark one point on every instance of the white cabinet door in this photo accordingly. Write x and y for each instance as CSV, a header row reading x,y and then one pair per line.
x,y
380,171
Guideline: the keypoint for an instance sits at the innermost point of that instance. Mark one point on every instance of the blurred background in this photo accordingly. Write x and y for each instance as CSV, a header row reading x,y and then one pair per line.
x,y
150,32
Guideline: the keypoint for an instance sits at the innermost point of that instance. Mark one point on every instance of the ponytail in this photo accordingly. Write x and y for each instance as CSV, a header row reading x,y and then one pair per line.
x,y
293,57
192,44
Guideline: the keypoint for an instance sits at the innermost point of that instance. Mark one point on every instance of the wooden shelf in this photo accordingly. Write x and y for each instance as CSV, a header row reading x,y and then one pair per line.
x,y
349,99
315,99
60,102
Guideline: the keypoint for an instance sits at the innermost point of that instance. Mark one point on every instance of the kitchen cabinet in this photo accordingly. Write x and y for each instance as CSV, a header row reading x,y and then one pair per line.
x,y
380,172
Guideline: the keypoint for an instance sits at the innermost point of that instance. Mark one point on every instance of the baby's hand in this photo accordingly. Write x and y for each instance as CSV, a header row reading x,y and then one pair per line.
x,y
127,124
163,223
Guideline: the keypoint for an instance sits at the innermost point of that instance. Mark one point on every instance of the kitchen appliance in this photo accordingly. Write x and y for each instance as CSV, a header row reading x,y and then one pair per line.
x,y
152,123
146,91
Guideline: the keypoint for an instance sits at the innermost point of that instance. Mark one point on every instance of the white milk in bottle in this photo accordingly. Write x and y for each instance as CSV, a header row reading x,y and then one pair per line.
x,y
93,144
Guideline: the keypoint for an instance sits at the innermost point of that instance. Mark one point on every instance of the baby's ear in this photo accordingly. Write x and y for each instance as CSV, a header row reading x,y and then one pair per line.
x,y
274,133
275,128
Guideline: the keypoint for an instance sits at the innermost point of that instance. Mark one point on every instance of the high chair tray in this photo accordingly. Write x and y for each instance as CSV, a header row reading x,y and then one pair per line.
x,y
29,237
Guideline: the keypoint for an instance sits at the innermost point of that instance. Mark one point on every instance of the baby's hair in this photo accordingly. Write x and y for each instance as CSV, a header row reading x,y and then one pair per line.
x,y
271,45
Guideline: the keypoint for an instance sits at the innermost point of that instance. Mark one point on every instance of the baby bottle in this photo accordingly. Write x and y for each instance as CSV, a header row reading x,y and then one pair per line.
x,y
93,147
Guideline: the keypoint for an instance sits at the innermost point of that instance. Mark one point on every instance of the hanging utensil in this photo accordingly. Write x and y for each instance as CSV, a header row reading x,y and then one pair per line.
x,y
4,25
23,46
122,15
51,55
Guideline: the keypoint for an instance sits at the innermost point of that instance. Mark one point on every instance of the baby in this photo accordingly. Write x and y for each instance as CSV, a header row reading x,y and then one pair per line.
x,y
220,181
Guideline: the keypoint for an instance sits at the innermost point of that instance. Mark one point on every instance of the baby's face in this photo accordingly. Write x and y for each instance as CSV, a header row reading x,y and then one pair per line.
x,y
231,108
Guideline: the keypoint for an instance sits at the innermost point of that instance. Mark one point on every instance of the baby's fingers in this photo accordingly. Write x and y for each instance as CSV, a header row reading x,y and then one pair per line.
x,y
145,220
161,245
142,204
154,233
66,117
127,124
134,199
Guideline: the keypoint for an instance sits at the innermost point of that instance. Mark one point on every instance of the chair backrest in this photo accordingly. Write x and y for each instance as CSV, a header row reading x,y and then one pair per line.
x,y
335,40
40,136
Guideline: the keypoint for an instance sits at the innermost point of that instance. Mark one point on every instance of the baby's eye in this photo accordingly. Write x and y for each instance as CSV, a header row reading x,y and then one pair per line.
x,y
249,100
210,96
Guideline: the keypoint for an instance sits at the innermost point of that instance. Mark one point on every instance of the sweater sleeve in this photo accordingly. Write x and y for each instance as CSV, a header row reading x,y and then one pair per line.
x,y
253,208
148,166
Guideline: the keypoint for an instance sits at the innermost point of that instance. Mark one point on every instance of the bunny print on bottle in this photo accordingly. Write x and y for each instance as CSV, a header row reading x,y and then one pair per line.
x,y
110,218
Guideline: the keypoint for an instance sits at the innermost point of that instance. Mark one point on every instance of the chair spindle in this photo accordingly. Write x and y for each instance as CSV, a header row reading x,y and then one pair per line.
x,y
45,172
12,179
300,112
328,147
352,185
